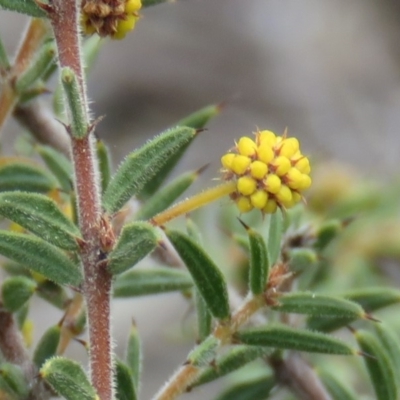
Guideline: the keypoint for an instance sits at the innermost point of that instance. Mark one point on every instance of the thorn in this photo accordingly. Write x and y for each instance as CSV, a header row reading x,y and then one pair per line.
x,y
371,318
202,169
162,244
364,354
93,125
200,130
245,226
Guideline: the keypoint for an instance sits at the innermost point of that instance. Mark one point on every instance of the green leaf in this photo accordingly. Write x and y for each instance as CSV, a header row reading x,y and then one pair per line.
x,y
38,68
208,278
166,196
200,118
13,380
335,387
390,342
256,389
137,240
104,159
259,264
302,259
156,280
326,233
134,355
47,346
319,305
125,387
275,236
24,177
379,366
40,257
40,215
58,164
203,354
374,298
144,164
53,293
284,337
236,358
204,318
370,299
16,291
79,127
28,7
68,379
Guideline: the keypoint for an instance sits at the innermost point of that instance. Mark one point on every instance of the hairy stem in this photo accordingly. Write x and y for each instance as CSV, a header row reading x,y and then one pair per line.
x,y
64,16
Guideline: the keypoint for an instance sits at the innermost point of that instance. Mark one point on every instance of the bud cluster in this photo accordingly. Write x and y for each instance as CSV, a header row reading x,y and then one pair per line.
x,y
114,18
270,172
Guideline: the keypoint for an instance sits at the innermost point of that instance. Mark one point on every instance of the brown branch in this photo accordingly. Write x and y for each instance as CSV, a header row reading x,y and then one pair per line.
x,y
64,16
298,376
13,350
43,126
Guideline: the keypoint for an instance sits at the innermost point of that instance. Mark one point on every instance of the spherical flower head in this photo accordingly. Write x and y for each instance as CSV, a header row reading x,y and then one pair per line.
x,y
270,172
114,18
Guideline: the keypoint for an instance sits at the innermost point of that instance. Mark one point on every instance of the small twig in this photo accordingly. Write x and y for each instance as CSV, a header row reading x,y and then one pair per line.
x,y
43,126
13,350
297,375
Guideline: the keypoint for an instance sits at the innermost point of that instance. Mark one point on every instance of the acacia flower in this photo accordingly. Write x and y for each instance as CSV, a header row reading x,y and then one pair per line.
x,y
266,173
114,18
269,172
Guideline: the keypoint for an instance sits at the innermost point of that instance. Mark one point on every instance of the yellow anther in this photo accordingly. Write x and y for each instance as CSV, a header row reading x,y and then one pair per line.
x,y
243,204
272,183
265,153
246,146
281,165
305,182
227,160
266,137
258,169
270,207
293,178
284,195
303,165
246,185
240,164
259,199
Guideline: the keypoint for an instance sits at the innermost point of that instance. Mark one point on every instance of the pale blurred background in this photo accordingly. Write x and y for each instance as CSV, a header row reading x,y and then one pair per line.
x,y
327,70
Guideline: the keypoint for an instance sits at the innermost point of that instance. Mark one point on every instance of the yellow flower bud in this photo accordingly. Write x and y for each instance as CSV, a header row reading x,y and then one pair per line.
x,y
27,332
259,199
124,26
266,137
293,178
246,146
281,165
270,207
265,153
305,182
303,165
284,195
243,204
258,169
132,6
246,185
240,164
272,183
289,147
227,160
